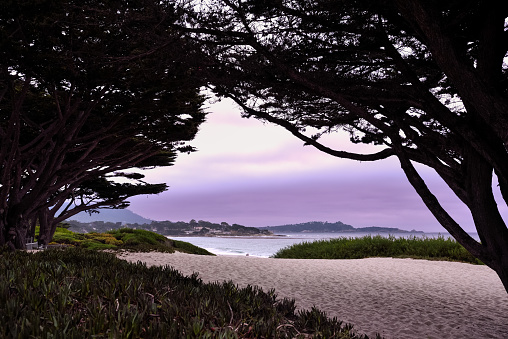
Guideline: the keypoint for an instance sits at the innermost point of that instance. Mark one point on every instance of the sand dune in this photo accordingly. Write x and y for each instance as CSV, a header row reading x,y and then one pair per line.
x,y
399,298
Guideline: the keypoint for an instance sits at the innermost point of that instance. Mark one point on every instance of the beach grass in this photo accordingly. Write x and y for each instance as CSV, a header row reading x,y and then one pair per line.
x,y
78,293
125,239
378,246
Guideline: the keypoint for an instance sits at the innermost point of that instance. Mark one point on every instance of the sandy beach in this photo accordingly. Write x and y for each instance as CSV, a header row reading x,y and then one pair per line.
x,y
399,298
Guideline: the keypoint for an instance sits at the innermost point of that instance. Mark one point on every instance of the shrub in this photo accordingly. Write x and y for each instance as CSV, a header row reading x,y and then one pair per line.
x,y
105,238
126,239
186,247
378,246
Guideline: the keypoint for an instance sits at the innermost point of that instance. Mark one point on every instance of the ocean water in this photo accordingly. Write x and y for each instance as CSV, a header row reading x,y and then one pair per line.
x,y
266,246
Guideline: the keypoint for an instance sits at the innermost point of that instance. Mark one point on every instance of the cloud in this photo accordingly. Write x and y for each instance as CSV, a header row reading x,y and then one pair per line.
x,y
257,174
360,197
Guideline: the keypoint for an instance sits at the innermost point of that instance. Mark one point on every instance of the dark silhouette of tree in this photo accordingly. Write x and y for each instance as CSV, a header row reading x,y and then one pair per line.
x,y
425,80
88,90
90,196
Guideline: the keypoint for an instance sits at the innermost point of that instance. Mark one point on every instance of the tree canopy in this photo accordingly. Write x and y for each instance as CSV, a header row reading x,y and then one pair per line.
x,y
426,81
88,90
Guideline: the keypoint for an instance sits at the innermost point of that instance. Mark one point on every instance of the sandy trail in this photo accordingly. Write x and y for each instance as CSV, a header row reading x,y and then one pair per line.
x,y
399,298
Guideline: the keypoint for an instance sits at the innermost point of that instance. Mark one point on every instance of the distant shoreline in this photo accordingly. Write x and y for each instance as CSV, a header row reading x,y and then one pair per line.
x,y
226,236
295,233
205,228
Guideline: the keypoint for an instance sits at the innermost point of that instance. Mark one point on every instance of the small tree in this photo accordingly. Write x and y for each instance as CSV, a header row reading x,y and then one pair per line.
x,y
90,196
88,89
427,81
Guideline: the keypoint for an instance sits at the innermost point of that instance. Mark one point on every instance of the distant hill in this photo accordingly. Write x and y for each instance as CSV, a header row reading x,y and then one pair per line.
x,y
376,229
124,216
326,227
112,219
312,226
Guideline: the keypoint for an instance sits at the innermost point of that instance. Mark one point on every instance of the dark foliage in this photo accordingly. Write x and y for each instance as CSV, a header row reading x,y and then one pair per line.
x,y
89,91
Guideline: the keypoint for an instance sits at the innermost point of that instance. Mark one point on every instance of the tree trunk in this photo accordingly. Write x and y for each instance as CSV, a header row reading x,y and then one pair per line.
x,y
3,233
45,234
493,249
489,223
16,227
502,270
14,230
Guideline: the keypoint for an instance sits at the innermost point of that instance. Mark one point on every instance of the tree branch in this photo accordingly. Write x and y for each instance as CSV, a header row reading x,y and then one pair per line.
x,y
308,140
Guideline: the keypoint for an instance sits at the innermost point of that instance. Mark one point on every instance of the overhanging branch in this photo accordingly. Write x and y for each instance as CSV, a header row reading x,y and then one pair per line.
x,y
310,141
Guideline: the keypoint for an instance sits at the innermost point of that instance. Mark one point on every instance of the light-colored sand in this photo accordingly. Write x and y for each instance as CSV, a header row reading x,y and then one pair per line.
x,y
399,298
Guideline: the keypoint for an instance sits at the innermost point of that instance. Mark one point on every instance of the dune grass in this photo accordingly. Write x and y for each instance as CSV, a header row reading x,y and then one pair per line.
x,y
377,246
79,293
125,239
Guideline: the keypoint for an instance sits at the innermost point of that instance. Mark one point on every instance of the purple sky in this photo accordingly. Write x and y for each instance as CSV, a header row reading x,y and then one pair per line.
x,y
256,174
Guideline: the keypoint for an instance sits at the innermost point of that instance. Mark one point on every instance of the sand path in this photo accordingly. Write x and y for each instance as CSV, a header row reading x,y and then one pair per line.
x,y
399,298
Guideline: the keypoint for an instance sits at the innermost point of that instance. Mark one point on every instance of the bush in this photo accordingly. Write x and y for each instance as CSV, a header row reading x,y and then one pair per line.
x,y
186,247
125,239
378,246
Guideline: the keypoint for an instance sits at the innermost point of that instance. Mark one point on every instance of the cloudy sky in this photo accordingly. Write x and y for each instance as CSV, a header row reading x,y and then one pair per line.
x,y
256,174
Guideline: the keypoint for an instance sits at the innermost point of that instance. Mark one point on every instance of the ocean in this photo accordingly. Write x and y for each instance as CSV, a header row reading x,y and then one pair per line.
x,y
266,246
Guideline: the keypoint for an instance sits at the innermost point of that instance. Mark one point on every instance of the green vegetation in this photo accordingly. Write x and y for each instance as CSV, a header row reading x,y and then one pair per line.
x,y
77,293
126,239
378,246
